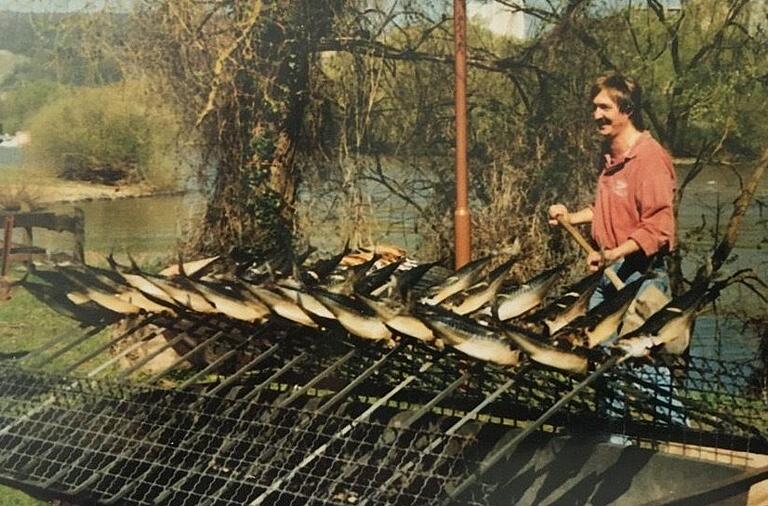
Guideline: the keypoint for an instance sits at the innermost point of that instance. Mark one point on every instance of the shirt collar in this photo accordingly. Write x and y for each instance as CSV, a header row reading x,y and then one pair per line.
x,y
612,165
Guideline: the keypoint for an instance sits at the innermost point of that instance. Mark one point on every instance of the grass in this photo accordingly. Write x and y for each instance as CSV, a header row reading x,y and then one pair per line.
x,y
27,324
13,497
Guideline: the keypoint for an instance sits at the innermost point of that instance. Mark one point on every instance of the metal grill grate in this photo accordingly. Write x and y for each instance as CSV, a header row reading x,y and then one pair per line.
x,y
127,445
277,416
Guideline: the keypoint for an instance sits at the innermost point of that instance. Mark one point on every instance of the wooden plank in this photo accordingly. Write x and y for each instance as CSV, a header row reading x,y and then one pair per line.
x,y
47,220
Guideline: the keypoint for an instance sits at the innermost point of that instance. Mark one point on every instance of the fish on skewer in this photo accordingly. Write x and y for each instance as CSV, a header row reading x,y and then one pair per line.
x,y
468,336
320,270
670,326
395,315
343,281
523,298
569,306
357,318
458,281
86,311
378,281
407,279
105,281
282,305
478,295
100,297
295,291
603,321
228,299
547,354
193,269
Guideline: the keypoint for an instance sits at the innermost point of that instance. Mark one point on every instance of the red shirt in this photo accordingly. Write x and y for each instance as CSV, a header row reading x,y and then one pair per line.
x,y
635,195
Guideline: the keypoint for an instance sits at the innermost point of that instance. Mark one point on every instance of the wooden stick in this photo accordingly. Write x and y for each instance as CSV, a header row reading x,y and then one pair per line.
x,y
610,273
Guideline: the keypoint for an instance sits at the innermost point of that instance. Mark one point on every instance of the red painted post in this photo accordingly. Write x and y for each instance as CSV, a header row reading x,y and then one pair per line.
x,y
463,252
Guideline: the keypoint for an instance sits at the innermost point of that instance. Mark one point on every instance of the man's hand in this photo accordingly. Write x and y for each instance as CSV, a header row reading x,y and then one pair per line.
x,y
596,260
556,211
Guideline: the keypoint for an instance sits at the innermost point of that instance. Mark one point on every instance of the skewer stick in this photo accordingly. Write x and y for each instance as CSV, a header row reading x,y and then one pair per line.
x,y
507,448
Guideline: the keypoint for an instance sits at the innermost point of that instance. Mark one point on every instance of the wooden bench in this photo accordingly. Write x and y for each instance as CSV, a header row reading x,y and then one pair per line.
x,y
28,221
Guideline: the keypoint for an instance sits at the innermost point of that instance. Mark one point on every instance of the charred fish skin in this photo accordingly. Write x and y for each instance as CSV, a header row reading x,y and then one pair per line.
x,y
527,296
469,337
406,280
376,279
323,268
460,280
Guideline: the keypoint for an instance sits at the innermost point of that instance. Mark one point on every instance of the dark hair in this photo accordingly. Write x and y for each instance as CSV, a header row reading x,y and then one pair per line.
x,y
626,92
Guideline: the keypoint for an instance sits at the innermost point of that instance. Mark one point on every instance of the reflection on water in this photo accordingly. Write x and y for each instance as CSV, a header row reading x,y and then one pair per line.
x,y
149,227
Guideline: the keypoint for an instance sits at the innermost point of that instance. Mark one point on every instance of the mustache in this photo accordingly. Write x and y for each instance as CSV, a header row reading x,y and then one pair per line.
x,y
603,121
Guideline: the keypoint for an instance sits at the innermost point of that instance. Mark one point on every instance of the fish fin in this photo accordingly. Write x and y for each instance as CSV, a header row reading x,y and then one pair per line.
x,y
182,271
134,265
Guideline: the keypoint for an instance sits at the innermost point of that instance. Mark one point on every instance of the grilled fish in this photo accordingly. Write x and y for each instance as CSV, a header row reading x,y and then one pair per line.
x,y
357,318
282,306
460,280
527,296
394,314
547,354
669,327
469,337
602,321
569,306
478,295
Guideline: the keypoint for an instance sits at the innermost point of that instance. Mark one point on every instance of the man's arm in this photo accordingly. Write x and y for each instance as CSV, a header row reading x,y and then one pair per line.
x,y
559,210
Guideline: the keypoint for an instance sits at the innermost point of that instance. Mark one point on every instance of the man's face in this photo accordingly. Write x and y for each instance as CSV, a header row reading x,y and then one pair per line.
x,y
609,119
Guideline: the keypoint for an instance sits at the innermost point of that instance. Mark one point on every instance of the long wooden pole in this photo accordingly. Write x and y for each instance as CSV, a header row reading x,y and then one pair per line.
x,y
612,276
463,252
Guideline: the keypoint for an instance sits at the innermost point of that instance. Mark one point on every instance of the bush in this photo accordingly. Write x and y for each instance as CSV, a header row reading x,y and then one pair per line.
x,y
113,134
23,101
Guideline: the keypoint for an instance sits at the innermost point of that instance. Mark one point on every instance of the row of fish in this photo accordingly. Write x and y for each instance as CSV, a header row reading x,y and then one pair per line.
x,y
384,299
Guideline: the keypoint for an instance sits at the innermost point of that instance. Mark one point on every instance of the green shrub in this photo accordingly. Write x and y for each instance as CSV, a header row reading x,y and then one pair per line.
x,y
112,134
24,100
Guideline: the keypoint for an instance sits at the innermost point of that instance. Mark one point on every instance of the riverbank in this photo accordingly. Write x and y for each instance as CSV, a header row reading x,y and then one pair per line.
x,y
42,188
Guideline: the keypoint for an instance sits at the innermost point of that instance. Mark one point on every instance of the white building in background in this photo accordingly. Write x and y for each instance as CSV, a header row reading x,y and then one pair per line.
x,y
500,19
505,20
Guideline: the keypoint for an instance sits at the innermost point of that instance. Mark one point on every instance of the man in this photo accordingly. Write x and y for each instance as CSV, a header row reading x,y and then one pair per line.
x,y
632,218
632,215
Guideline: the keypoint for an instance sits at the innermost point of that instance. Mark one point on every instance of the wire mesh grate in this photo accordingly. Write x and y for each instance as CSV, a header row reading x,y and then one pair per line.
x,y
321,418
128,445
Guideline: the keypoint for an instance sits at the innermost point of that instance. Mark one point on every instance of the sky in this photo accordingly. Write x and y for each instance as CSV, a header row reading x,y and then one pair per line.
x,y
50,5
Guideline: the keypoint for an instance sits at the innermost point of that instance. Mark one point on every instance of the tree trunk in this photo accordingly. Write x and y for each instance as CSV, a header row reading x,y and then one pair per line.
x,y
252,203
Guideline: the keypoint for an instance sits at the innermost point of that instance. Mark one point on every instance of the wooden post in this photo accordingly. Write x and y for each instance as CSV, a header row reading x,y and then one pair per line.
x,y
78,230
7,238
